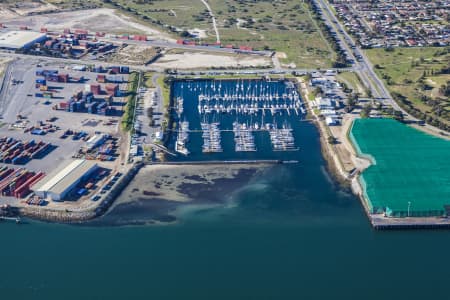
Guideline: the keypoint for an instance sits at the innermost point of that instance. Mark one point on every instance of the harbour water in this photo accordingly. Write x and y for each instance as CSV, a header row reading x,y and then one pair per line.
x,y
289,232
291,235
236,119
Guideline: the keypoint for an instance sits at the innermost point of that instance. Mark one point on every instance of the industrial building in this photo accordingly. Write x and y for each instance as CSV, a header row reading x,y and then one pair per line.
x,y
95,141
59,184
14,40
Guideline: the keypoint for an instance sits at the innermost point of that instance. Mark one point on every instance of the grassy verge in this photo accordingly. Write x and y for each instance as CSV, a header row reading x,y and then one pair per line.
x,y
165,90
414,77
148,82
127,118
352,80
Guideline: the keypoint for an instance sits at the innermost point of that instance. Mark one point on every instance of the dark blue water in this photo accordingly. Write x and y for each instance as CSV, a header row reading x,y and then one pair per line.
x,y
190,91
290,233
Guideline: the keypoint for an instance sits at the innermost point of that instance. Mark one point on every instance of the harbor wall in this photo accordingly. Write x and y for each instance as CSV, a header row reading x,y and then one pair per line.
x,y
82,215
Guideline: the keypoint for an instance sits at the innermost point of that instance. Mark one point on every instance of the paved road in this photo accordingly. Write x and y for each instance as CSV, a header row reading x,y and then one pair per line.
x,y
4,86
161,70
364,67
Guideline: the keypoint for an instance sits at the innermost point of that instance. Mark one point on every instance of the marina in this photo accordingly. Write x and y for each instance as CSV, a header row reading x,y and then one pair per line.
x,y
182,138
254,117
211,138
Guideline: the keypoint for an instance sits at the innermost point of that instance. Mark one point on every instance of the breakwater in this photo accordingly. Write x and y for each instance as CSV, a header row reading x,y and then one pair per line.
x,y
224,162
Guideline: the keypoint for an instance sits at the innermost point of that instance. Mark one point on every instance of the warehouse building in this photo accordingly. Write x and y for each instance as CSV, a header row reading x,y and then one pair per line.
x,y
95,141
14,40
58,185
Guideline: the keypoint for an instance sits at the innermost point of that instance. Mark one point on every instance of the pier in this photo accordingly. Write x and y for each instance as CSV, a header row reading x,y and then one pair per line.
x,y
13,219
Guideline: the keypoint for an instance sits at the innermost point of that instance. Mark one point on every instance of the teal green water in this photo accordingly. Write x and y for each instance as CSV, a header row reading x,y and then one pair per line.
x,y
290,235
411,170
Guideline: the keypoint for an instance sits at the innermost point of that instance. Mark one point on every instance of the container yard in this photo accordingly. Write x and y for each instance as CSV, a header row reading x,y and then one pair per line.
x,y
51,109
17,152
99,147
17,182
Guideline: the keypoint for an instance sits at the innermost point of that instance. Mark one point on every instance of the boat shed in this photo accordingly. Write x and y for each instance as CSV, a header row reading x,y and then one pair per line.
x,y
56,186
14,40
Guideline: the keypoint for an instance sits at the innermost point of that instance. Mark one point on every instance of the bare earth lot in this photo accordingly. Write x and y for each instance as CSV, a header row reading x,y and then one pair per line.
x,y
102,19
192,60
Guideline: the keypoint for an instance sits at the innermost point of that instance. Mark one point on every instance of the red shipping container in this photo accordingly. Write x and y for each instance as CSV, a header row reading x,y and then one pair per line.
x,y
101,78
95,89
63,78
81,31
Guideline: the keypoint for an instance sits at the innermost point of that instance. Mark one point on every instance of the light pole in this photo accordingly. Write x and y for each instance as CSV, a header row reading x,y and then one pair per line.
x,y
409,207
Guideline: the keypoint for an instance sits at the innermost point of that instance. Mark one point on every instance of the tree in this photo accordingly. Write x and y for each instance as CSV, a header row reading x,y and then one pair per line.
x,y
185,34
365,112
331,140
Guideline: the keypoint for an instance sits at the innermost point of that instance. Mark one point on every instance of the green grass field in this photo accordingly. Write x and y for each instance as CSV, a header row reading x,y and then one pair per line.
x,y
286,26
127,118
353,82
413,73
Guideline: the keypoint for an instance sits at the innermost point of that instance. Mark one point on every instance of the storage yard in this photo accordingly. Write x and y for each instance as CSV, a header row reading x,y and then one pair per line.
x,y
16,152
71,112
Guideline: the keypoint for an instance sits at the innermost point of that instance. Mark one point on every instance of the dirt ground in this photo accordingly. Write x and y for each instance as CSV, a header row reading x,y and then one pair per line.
x,y
192,60
134,55
101,19
25,8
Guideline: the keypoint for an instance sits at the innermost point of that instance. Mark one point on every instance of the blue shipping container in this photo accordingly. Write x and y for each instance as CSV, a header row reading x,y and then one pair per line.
x,y
124,70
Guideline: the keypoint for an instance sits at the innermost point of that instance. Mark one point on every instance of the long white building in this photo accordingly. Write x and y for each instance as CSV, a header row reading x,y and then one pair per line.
x,y
14,40
56,186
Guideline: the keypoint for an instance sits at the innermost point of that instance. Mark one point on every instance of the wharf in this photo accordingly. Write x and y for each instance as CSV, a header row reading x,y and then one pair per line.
x,y
380,222
14,219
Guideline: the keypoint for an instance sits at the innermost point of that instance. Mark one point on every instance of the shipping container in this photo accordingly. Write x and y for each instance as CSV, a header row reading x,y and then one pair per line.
x,y
101,78
114,78
124,70
95,89
115,70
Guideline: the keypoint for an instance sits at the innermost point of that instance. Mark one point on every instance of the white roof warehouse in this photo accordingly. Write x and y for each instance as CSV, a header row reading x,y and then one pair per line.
x,y
58,185
20,39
